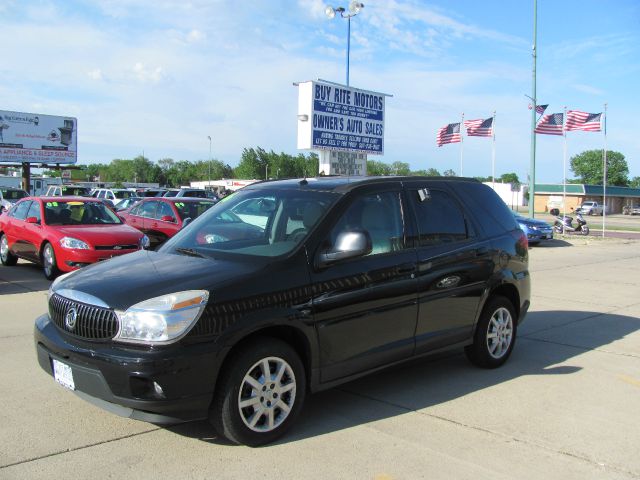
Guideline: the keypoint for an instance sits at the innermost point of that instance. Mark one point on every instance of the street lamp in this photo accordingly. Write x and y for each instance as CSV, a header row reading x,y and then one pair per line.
x,y
209,137
355,8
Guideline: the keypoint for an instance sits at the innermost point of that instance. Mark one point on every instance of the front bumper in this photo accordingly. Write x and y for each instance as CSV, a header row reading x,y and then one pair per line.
x,y
69,260
122,379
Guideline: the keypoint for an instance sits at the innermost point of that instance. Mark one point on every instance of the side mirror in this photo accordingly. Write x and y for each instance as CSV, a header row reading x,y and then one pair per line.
x,y
185,222
348,245
168,218
32,220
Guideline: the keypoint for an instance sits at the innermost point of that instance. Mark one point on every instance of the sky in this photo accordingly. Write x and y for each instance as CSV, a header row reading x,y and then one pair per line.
x,y
160,76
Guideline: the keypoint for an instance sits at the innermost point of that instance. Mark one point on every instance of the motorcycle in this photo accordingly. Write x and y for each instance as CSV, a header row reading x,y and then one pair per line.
x,y
565,224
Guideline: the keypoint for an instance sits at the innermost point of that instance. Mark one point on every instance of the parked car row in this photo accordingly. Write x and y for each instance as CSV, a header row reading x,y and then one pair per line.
x,y
64,233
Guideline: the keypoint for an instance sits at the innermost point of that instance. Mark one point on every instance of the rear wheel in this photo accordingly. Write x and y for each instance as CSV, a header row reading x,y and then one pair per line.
x,y
7,258
584,230
495,334
260,393
49,265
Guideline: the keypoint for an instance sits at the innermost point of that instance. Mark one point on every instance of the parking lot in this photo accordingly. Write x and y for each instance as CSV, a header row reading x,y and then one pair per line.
x,y
564,406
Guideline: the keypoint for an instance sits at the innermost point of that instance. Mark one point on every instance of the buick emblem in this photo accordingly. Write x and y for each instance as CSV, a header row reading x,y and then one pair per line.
x,y
70,318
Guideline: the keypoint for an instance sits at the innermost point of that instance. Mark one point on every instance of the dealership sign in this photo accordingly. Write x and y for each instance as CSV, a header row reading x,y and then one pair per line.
x,y
35,138
336,117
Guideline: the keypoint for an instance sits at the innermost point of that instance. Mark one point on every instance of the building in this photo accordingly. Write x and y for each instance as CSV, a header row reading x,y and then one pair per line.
x,y
548,196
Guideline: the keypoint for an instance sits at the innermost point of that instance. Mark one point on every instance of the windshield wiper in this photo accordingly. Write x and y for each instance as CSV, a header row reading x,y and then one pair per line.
x,y
189,251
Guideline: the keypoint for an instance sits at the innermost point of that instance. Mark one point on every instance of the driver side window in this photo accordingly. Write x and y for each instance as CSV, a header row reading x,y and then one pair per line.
x,y
380,215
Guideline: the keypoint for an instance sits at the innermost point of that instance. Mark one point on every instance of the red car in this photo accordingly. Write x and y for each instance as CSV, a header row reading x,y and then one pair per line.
x,y
64,233
160,218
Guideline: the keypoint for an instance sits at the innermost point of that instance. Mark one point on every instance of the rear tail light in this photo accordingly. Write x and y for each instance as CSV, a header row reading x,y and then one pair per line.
x,y
522,243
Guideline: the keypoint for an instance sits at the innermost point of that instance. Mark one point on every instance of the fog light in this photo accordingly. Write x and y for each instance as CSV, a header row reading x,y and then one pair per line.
x,y
158,390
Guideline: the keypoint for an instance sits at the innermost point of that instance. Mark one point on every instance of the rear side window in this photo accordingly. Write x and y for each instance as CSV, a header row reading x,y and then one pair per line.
x,y
439,217
20,210
487,207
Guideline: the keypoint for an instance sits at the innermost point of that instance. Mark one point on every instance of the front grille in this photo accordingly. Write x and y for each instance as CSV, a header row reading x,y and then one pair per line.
x,y
93,323
116,247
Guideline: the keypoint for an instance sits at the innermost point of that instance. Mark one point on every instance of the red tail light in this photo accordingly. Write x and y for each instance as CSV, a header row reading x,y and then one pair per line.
x,y
522,243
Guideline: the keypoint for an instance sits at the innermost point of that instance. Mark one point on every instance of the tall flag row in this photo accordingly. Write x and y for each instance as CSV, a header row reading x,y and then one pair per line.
x,y
452,133
572,120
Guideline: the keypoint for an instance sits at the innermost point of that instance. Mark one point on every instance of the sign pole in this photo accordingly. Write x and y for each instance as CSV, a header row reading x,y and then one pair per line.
x,y
532,166
461,145
604,173
564,169
493,152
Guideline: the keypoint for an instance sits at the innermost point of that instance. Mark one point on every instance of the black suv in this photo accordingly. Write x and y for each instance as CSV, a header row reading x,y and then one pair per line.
x,y
289,287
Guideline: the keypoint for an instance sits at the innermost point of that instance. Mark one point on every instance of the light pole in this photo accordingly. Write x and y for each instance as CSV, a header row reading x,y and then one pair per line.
x,y
532,166
209,137
354,8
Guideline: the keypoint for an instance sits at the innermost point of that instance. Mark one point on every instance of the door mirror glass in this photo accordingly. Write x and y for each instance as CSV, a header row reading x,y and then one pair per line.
x,y
347,245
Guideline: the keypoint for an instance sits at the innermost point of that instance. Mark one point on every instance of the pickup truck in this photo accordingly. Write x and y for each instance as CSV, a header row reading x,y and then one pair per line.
x,y
591,208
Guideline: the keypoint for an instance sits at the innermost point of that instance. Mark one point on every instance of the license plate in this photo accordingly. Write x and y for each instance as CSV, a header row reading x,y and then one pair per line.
x,y
63,375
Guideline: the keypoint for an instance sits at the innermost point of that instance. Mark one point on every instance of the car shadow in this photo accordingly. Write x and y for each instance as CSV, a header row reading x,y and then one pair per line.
x,y
22,278
431,381
554,243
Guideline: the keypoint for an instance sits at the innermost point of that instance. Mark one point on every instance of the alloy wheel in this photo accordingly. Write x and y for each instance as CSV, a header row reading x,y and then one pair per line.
x,y
499,333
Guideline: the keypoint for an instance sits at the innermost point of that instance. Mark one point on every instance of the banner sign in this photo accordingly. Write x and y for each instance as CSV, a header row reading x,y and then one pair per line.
x,y
336,117
35,138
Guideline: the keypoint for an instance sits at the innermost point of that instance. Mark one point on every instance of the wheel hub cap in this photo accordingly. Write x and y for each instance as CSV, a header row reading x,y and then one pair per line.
x,y
267,394
500,333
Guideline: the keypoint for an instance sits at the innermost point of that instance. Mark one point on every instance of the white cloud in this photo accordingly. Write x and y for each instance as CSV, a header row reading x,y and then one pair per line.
x,y
95,74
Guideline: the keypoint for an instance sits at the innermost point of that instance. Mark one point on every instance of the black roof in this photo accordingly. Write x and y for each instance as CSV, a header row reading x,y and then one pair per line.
x,y
341,184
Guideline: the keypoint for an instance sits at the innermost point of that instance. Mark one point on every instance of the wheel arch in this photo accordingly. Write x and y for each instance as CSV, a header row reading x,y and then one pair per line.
x,y
290,335
510,292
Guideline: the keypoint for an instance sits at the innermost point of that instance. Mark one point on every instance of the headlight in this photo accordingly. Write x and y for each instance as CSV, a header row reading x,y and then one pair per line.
x,y
144,242
523,227
162,319
70,242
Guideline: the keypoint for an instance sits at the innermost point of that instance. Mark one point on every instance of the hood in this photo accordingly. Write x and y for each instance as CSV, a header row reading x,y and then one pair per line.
x,y
128,279
101,234
532,222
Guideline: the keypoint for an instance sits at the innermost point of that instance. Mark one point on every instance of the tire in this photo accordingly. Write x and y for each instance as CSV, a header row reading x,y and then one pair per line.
x,y
6,257
584,230
49,265
495,334
245,402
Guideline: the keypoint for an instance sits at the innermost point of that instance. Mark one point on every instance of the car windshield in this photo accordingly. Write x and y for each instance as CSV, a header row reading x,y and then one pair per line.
x,y
13,194
77,212
261,222
120,194
75,191
192,210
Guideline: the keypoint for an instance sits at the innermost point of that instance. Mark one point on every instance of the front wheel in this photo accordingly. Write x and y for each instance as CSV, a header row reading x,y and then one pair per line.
x,y
585,230
495,334
7,258
49,265
260,393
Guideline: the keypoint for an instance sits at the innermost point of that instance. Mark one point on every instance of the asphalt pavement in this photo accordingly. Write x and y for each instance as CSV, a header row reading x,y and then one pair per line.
x,y
564,406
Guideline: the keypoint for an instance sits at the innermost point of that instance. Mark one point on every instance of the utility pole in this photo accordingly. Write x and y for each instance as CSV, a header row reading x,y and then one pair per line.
x,y
532,167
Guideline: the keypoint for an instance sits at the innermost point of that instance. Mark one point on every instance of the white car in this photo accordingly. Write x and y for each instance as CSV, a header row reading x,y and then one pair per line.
x,y
9,196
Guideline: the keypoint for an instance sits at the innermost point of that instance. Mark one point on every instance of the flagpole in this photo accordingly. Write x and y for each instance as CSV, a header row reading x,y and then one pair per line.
x,y
564,169
493,152
604,177
532,164
461,144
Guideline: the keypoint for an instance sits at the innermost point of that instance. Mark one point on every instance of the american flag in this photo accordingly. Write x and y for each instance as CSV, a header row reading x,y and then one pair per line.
x,y
589,122
550,124
449,134
540,108
479,128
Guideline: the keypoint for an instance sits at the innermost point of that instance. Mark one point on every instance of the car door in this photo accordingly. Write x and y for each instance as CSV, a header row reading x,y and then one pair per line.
x,y
163,225
148,214
32,233
453,267
365,308
15,226
135,216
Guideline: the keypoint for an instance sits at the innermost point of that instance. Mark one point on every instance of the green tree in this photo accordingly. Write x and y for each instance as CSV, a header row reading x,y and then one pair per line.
x,y
449,173
587,167
634,182
508,178
400,168
375,168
